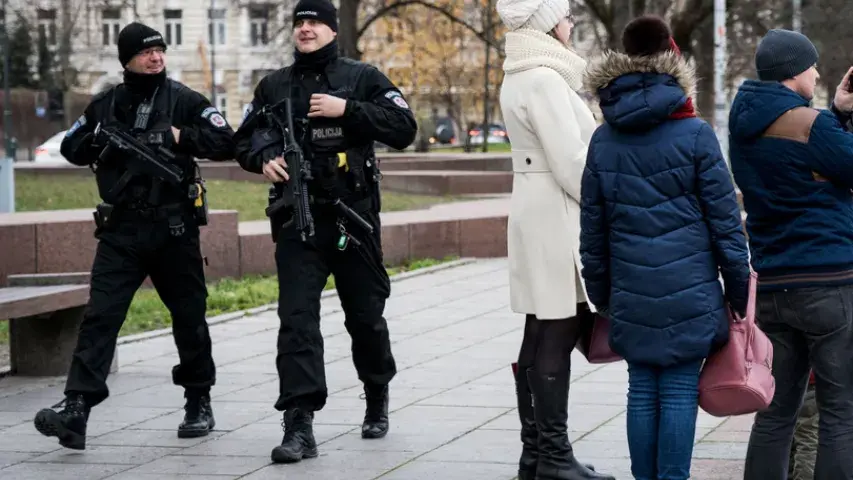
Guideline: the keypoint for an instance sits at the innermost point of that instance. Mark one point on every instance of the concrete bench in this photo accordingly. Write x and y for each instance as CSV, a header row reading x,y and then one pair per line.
x,y
44,313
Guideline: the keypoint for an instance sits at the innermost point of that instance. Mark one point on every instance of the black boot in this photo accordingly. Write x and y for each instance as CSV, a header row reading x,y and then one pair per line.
x,y
198,420
376,415
69,424
529,433
298,441
551,405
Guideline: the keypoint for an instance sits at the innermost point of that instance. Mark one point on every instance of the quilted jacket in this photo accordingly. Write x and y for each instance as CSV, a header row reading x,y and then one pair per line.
x,y
659,217
794,165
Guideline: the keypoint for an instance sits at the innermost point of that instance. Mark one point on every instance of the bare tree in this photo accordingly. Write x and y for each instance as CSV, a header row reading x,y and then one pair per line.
x,y
829,24
357,16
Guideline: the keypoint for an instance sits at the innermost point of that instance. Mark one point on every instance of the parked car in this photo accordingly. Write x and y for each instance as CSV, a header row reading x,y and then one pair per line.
x,y
48,152
445,132
497,134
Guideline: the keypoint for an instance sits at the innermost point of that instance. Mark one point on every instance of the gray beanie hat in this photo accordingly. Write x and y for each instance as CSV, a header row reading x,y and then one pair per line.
x,y
784,54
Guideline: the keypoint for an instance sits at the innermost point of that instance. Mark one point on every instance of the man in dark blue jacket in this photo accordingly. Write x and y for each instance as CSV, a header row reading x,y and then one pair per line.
x,y
794,165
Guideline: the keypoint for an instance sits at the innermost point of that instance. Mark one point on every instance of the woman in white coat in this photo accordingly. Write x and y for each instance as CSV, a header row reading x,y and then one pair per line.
x,y
549,126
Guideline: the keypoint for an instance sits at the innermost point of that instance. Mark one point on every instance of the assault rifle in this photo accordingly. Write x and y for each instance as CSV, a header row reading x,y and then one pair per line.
x,y
139,158
298,168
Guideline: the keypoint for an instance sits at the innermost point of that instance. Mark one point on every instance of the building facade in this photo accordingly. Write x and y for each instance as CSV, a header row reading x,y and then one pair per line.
x,y
221,48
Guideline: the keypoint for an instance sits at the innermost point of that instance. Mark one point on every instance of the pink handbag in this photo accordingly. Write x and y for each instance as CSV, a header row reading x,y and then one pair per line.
x,y
594,340
738,378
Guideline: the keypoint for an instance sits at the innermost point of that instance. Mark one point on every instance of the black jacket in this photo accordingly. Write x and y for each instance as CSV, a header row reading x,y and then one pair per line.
x,y
204,133
376,110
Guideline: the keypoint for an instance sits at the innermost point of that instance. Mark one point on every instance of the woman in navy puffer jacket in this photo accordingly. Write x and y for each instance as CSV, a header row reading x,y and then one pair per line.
x,y
659,223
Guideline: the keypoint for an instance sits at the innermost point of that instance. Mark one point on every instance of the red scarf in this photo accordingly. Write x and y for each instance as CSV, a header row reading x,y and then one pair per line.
x,y
686,110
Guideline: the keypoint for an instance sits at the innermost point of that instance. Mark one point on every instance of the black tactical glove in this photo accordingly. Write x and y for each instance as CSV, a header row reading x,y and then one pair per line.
x,y
267,143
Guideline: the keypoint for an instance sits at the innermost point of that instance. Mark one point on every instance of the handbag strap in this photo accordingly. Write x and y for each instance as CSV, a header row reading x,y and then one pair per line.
x,y
749,321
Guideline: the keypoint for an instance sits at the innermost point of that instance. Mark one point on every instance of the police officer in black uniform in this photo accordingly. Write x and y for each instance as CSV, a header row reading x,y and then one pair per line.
x,y
341,107
145,227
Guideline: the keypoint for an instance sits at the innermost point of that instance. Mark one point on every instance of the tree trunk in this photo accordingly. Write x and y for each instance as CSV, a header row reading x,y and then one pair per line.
x,y
348,29
703,55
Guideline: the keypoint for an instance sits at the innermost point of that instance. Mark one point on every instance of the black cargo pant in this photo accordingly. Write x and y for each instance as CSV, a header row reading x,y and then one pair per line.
x,y
127,253
808,327
363,287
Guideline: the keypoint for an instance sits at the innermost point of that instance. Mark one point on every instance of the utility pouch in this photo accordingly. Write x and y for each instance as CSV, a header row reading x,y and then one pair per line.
x,y
198,196
103,217
276,222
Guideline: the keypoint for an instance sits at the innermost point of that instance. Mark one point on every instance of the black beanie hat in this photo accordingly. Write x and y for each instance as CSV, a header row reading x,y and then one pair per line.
x,y
784,54
321,10
136,37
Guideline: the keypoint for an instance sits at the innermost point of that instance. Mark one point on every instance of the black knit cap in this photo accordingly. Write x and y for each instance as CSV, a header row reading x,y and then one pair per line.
x,y
784,54
321,10
646,35
136,37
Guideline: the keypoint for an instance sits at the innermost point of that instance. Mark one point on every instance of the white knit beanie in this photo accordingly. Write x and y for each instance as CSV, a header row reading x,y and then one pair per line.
x,y
541,15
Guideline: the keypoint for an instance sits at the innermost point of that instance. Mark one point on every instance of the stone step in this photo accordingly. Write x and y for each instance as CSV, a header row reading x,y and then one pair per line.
x,y
471,162
447,182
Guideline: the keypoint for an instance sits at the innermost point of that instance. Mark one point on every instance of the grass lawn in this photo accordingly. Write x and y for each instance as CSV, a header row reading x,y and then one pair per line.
x,y
493,148
60,192
148,313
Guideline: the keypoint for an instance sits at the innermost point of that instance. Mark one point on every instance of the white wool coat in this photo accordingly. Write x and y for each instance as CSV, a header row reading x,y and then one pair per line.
x,y
550,127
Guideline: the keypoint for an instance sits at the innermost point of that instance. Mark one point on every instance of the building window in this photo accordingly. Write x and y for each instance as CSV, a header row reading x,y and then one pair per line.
x,y
173,27
216,26
47,25
110,25
222,104
259,24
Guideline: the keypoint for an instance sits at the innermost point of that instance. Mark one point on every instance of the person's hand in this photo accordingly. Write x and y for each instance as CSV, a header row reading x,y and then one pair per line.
x,y
275,170
326,106
843,97
177,134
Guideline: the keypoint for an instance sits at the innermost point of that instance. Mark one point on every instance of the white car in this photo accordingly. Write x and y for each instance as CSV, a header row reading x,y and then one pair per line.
x,y
48,152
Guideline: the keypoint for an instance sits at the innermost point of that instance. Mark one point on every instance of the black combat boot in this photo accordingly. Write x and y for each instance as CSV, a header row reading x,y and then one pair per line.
x,y
68,424
550,406
298,441
529,433
198,419
376,415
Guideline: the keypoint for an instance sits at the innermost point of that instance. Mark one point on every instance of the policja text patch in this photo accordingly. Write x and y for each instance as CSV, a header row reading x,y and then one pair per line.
x,y
327,133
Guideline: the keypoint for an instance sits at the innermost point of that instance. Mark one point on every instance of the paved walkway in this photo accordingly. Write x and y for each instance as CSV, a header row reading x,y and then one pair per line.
x,y
453,402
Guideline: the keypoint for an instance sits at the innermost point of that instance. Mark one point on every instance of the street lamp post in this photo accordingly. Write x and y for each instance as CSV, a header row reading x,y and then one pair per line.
x,y
720,97
213,32
7,166
797,20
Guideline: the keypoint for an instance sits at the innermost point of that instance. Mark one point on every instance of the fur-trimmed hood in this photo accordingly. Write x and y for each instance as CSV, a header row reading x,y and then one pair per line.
x,y
639,92
611,65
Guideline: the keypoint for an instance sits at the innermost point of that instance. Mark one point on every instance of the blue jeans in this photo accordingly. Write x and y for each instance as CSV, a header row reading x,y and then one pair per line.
x,y
662,408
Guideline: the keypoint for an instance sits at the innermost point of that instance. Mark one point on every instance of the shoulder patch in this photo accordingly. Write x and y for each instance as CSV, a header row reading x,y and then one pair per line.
x,y
247,111
79,123
397,98
207,112
217,120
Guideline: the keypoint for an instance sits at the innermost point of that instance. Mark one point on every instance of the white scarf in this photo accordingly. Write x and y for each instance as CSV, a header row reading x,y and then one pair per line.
x,y
527,48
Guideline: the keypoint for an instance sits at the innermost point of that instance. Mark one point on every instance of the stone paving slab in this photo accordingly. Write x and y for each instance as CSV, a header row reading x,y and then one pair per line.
x,y
452,403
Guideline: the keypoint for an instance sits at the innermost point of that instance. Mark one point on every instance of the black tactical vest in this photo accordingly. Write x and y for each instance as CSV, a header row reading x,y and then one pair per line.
x,y
323,140
142,191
